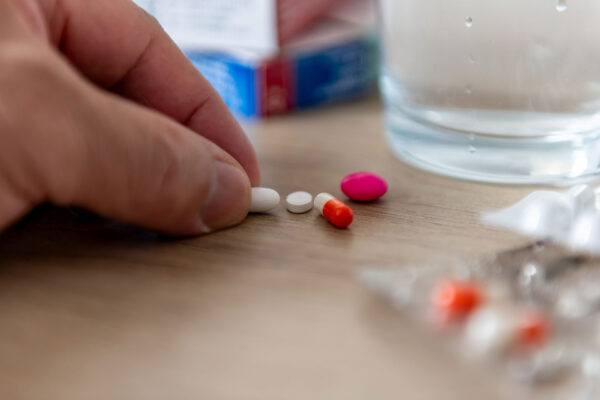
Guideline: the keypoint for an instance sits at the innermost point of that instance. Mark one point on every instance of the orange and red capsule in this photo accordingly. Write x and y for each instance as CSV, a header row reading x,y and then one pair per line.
x,y
492,323
533,328
334,210
455,299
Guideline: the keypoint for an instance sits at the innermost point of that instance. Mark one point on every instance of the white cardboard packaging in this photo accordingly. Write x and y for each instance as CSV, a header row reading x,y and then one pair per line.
x,y
222,24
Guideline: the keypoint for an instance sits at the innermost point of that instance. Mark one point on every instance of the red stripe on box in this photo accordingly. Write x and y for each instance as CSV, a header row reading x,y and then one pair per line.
x,y
275,87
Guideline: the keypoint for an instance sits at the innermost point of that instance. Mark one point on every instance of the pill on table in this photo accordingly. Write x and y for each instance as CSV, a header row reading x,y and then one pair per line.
x,y
364,186
299,202
263,200
454,299
334,210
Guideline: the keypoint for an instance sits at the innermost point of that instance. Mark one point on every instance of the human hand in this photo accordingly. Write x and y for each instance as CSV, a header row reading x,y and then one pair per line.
x,y
100,110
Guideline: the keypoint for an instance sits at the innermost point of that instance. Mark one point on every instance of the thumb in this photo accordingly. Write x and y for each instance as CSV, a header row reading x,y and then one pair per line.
x,y
66,141
139,166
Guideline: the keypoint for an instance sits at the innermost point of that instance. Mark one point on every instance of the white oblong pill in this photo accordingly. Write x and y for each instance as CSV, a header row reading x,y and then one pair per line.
x,y
263,200
299,202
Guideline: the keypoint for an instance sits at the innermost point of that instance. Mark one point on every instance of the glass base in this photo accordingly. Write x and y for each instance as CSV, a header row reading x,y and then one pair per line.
x,y
549,160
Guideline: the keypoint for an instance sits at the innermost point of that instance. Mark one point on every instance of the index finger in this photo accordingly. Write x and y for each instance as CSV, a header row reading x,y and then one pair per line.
x,y
120,47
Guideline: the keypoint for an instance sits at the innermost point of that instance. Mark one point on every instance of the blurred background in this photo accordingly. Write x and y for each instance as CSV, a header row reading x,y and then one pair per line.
x,y
269,57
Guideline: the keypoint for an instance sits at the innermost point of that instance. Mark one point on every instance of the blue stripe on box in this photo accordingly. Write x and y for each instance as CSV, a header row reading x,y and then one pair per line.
x,y
334,73
235,81
319,76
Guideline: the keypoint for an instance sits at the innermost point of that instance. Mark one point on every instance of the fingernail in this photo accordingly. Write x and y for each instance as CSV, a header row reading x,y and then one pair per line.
x,y
229,198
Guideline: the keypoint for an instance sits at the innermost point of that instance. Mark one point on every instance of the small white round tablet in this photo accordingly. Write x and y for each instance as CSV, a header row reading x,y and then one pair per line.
x,y
263,200
299,202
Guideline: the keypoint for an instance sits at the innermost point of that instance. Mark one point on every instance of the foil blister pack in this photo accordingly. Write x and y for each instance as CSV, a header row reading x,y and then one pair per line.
x,y
532,313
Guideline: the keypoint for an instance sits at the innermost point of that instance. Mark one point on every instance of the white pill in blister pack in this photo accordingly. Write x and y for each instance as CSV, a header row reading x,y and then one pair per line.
x,y
299,202
490,331
263,200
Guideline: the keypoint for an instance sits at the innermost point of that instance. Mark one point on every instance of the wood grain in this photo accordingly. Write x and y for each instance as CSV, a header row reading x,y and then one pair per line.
x,y
267,310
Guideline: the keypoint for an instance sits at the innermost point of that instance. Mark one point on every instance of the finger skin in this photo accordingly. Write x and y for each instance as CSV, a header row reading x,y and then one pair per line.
x,y
154,172
88,148
126,50
67,141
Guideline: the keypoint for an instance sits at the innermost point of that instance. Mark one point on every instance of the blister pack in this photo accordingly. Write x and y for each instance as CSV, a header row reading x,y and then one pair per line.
x,y
532,313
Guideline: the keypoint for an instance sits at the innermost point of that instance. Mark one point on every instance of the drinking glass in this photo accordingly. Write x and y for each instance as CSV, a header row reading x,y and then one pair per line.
x,y
495,91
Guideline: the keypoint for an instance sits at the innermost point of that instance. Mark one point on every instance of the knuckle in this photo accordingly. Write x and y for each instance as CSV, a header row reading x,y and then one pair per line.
x,y
26,60
149,17
152,20
16,122
35,119
27,77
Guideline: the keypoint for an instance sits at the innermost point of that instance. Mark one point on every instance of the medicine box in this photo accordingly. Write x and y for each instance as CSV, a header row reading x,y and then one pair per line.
x,y
335,60
256,24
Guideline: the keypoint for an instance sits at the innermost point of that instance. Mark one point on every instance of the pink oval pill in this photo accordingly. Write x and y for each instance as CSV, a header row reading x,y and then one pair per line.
x,y
364,186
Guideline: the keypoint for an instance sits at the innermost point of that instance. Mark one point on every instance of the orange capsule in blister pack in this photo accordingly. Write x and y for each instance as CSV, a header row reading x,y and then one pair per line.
x,y
334,210
533,328
454,299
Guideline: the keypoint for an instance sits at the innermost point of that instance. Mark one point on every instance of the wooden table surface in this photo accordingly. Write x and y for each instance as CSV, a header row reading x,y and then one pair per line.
x,y
269,309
